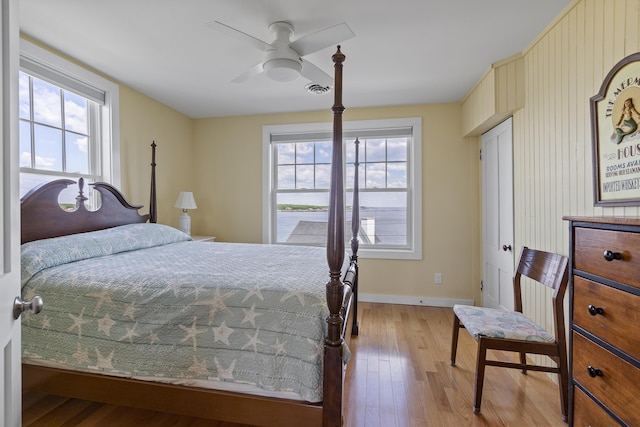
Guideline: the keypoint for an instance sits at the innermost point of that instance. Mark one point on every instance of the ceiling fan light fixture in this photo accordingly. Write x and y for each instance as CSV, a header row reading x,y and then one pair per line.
x,y
282,69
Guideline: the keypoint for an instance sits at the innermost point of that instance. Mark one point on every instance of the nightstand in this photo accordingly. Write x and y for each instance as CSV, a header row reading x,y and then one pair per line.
x,y
203,238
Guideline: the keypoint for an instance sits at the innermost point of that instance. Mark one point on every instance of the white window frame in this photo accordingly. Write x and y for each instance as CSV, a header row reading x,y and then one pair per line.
x,y
414,181
68,75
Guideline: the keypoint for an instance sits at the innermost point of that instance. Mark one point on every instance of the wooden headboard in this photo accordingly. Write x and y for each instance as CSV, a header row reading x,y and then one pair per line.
x,y
42,217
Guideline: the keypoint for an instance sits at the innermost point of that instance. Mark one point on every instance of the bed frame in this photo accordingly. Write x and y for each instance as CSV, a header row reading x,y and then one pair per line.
x,y
42,218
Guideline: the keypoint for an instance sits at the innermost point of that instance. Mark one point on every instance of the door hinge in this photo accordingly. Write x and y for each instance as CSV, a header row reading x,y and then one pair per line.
x,y
481,285
481,154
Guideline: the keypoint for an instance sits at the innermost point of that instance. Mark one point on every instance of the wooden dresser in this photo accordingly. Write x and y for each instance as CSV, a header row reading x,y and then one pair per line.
x,y
604,339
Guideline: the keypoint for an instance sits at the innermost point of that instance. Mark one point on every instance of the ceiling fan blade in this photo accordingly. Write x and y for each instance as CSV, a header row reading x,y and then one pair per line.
x,y
315,74
322,39
251,72
239,35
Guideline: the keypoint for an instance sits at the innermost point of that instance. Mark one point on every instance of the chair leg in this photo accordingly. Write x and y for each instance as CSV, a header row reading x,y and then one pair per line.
x,y
480,365
523,360
454,339
563,381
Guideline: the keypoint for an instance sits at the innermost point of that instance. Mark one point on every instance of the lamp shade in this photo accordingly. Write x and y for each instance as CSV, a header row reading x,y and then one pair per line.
x,y
186,200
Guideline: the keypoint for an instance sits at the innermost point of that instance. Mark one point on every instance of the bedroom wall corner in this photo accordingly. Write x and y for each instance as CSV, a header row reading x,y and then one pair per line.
x,y
142,121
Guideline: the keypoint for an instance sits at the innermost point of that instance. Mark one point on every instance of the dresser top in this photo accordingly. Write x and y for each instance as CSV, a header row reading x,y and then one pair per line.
x,y
619,220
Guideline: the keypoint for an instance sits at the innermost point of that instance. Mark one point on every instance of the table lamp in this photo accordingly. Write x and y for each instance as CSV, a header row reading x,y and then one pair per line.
x,y
185,202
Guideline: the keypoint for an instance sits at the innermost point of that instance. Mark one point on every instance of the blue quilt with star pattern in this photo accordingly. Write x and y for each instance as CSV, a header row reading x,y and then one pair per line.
x,y
143,300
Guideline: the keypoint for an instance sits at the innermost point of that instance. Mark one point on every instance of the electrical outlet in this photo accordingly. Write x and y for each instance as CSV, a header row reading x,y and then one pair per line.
x,y
438,279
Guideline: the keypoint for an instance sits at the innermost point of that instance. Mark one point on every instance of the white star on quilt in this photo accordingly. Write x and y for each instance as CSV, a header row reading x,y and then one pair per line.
x,y
294,293
253,341
199,368
192,333
104,362
255,291
104,297
105,324
222,333
197,290
78,321
250,315
46,322
130,333
279,347
224,373
217,303
129,310
81,355
153,338
319,349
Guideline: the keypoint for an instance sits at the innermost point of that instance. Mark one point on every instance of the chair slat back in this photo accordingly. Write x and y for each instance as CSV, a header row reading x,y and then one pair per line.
x,y
547,268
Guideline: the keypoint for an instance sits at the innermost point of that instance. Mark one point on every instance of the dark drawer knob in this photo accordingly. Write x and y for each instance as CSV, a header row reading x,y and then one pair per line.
x,y
506,248
610,256
593,310
594,372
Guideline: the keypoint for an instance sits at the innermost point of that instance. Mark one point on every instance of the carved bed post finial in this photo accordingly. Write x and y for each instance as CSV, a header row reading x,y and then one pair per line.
x,y
81,198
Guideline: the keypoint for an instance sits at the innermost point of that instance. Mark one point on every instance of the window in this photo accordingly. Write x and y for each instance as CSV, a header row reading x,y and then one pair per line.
x,y
68,122
297,174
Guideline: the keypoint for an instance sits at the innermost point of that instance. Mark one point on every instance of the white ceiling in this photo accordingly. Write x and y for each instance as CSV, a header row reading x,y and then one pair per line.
x,y
404,52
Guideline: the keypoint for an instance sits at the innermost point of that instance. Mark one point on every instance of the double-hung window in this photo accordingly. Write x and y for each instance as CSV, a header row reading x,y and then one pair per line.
x,y
68,122
297,177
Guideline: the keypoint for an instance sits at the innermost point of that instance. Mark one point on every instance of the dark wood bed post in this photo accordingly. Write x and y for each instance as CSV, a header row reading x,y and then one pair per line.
x,y
153,207
355,226
333,372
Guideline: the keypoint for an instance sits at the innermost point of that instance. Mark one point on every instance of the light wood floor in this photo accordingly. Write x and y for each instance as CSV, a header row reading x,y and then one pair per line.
x,y
399,375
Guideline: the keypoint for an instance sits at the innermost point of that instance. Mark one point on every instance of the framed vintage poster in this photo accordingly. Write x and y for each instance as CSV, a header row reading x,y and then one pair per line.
x,y
615,130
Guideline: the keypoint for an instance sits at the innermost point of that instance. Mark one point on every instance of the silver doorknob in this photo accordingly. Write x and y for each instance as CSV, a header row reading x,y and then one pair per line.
x,y
19,306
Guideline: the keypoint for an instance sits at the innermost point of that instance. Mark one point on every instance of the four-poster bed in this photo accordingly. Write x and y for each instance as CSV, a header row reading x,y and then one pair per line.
x,y
54,240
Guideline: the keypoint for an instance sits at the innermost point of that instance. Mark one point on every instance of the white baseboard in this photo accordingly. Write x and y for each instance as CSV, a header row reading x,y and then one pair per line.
x,y
406,300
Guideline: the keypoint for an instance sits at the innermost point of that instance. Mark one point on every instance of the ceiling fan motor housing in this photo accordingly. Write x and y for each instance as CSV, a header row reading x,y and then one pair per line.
x,y
282,64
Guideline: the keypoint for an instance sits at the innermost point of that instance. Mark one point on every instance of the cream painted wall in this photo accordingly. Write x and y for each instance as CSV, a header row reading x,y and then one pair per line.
x,y
142,121
228,166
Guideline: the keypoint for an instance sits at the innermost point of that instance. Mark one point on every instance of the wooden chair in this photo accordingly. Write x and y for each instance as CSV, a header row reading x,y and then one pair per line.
x,y
512,331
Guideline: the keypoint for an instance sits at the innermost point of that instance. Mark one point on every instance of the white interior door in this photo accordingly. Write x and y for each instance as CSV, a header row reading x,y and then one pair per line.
x,y
11,408
497,203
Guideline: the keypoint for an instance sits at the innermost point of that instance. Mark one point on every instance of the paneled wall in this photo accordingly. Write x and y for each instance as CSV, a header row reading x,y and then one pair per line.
x,y
563,68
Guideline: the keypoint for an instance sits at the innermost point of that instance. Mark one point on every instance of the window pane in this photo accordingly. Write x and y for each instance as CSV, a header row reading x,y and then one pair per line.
x,y
375,175
286,177
375,150
397,175
47,107
397,149
304,177
48,148
323,152
323,177
77,153
286,154
302,218
383,217
23,93
349,176
25,144
304,152
75,113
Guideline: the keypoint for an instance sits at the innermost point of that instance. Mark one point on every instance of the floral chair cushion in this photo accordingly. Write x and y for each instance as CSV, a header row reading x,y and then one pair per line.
x,y
496,323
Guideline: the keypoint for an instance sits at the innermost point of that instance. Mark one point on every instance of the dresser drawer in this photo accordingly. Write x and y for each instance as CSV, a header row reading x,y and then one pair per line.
x,y
589,247
589,413
619,385
618,323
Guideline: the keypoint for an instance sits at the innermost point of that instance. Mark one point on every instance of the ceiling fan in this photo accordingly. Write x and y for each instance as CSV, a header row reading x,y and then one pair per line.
x,y
283,58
